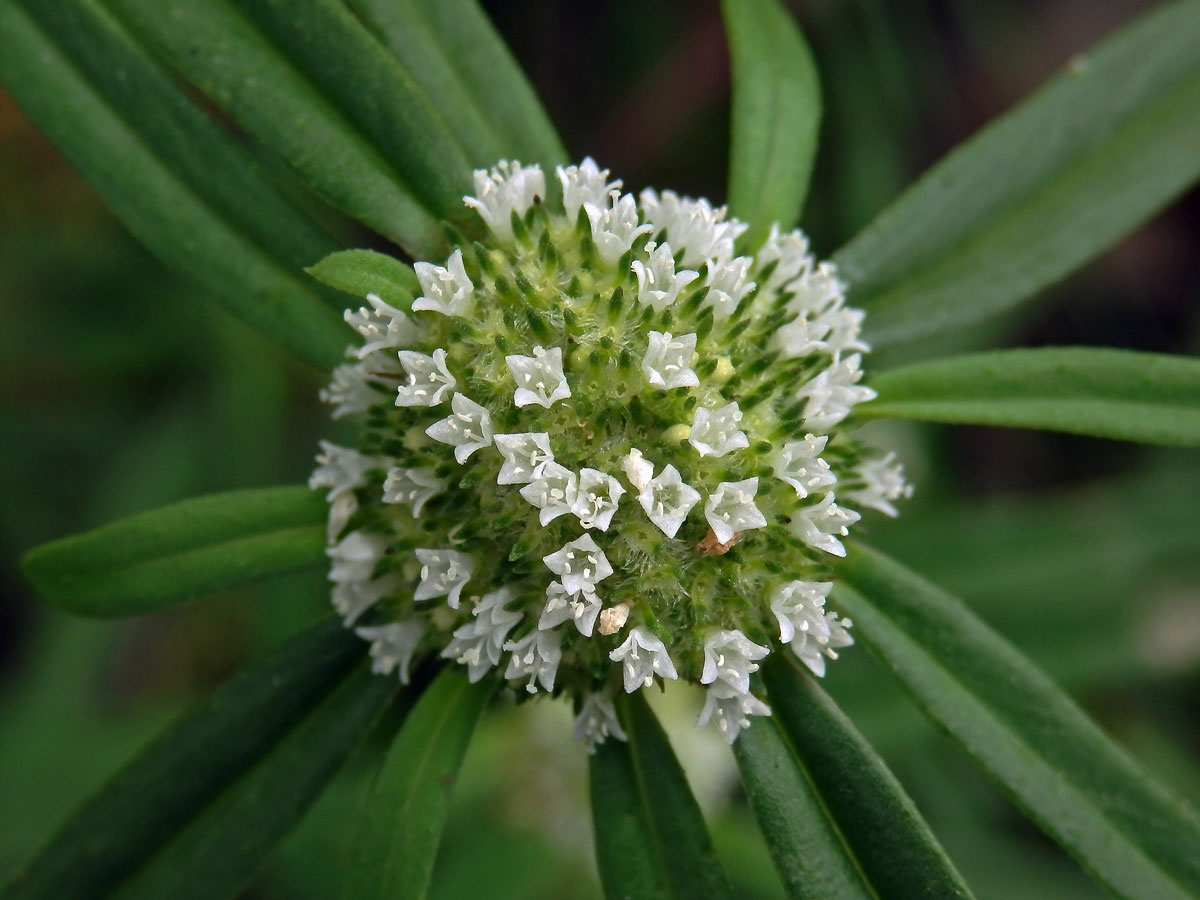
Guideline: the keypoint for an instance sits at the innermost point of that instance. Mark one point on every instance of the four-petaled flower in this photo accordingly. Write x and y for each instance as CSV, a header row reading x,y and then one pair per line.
x,y
444,573
468,428
642,656
668,360
447,289
429,380
715,431
539,378
731,509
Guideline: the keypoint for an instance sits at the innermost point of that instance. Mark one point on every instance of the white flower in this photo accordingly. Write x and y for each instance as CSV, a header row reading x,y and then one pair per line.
x,y
615,227
477,644
507,188
428,379
816,291
715,431
844,327
692,226
833,393
729,657
730,711
638,469
341,469
382,326
444,573
790,254
731,509
812,647
585,183
643,656
536,655
667,500
349,392
658,282
833,331
582,607
799,606
884,482
817,525
728,283
668,360
393,645
597,720
412,486
552,491
444,290
352,598
355,556
579,564
798,464
596,498
467,429
524,454
539,378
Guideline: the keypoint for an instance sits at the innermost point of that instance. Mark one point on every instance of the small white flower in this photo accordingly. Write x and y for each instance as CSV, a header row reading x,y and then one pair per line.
x,y
535,656
799,607
382,326
507,188
597,720
643,656
814,646
817,525
581,607
428,378
668,360
524,454
585,183
552,491
730,711
539,378
729,657
615,227
477,645
715,431
798,464
579,564
354,557
638,469
667,500
352,598
845,324
731,509
833,393
468,428
790,254
596,498
658,282
349,392
728,283
393,645
341,469
412,486
884,482
444,290
691,226
444,573
816,291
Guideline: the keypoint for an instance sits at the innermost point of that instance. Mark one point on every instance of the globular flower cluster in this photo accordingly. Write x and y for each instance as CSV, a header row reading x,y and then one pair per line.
x,y
601,450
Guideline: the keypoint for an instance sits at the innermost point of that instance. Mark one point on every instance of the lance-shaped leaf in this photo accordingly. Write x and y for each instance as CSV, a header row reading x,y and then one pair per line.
x,y
874,820
651,840
1107,393
397,838
362,272
775,115
1044,189
452,51
176,778
181,551
259,74
1129,832
116,119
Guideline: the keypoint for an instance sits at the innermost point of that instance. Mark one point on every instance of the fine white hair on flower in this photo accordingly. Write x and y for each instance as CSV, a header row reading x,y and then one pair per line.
x,y
507,189
597,721
393,645
579,565
642,656
658,282
444,573
818,525
715,432
382,326
447,290
667,362
539,378
798,464
412,486
468,428
525,455
584,183
731,509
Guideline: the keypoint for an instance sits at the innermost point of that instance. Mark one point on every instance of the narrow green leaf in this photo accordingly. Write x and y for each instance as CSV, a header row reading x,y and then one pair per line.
x,y
362,272
452,51
219,851
651,840
155,797
401,827
1044,189
1132,835
137,168
181,551
219,49
1108,393
894,847
775,116
809,853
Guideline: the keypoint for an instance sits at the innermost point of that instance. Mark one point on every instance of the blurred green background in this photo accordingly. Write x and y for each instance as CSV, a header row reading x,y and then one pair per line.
x,y
123,389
